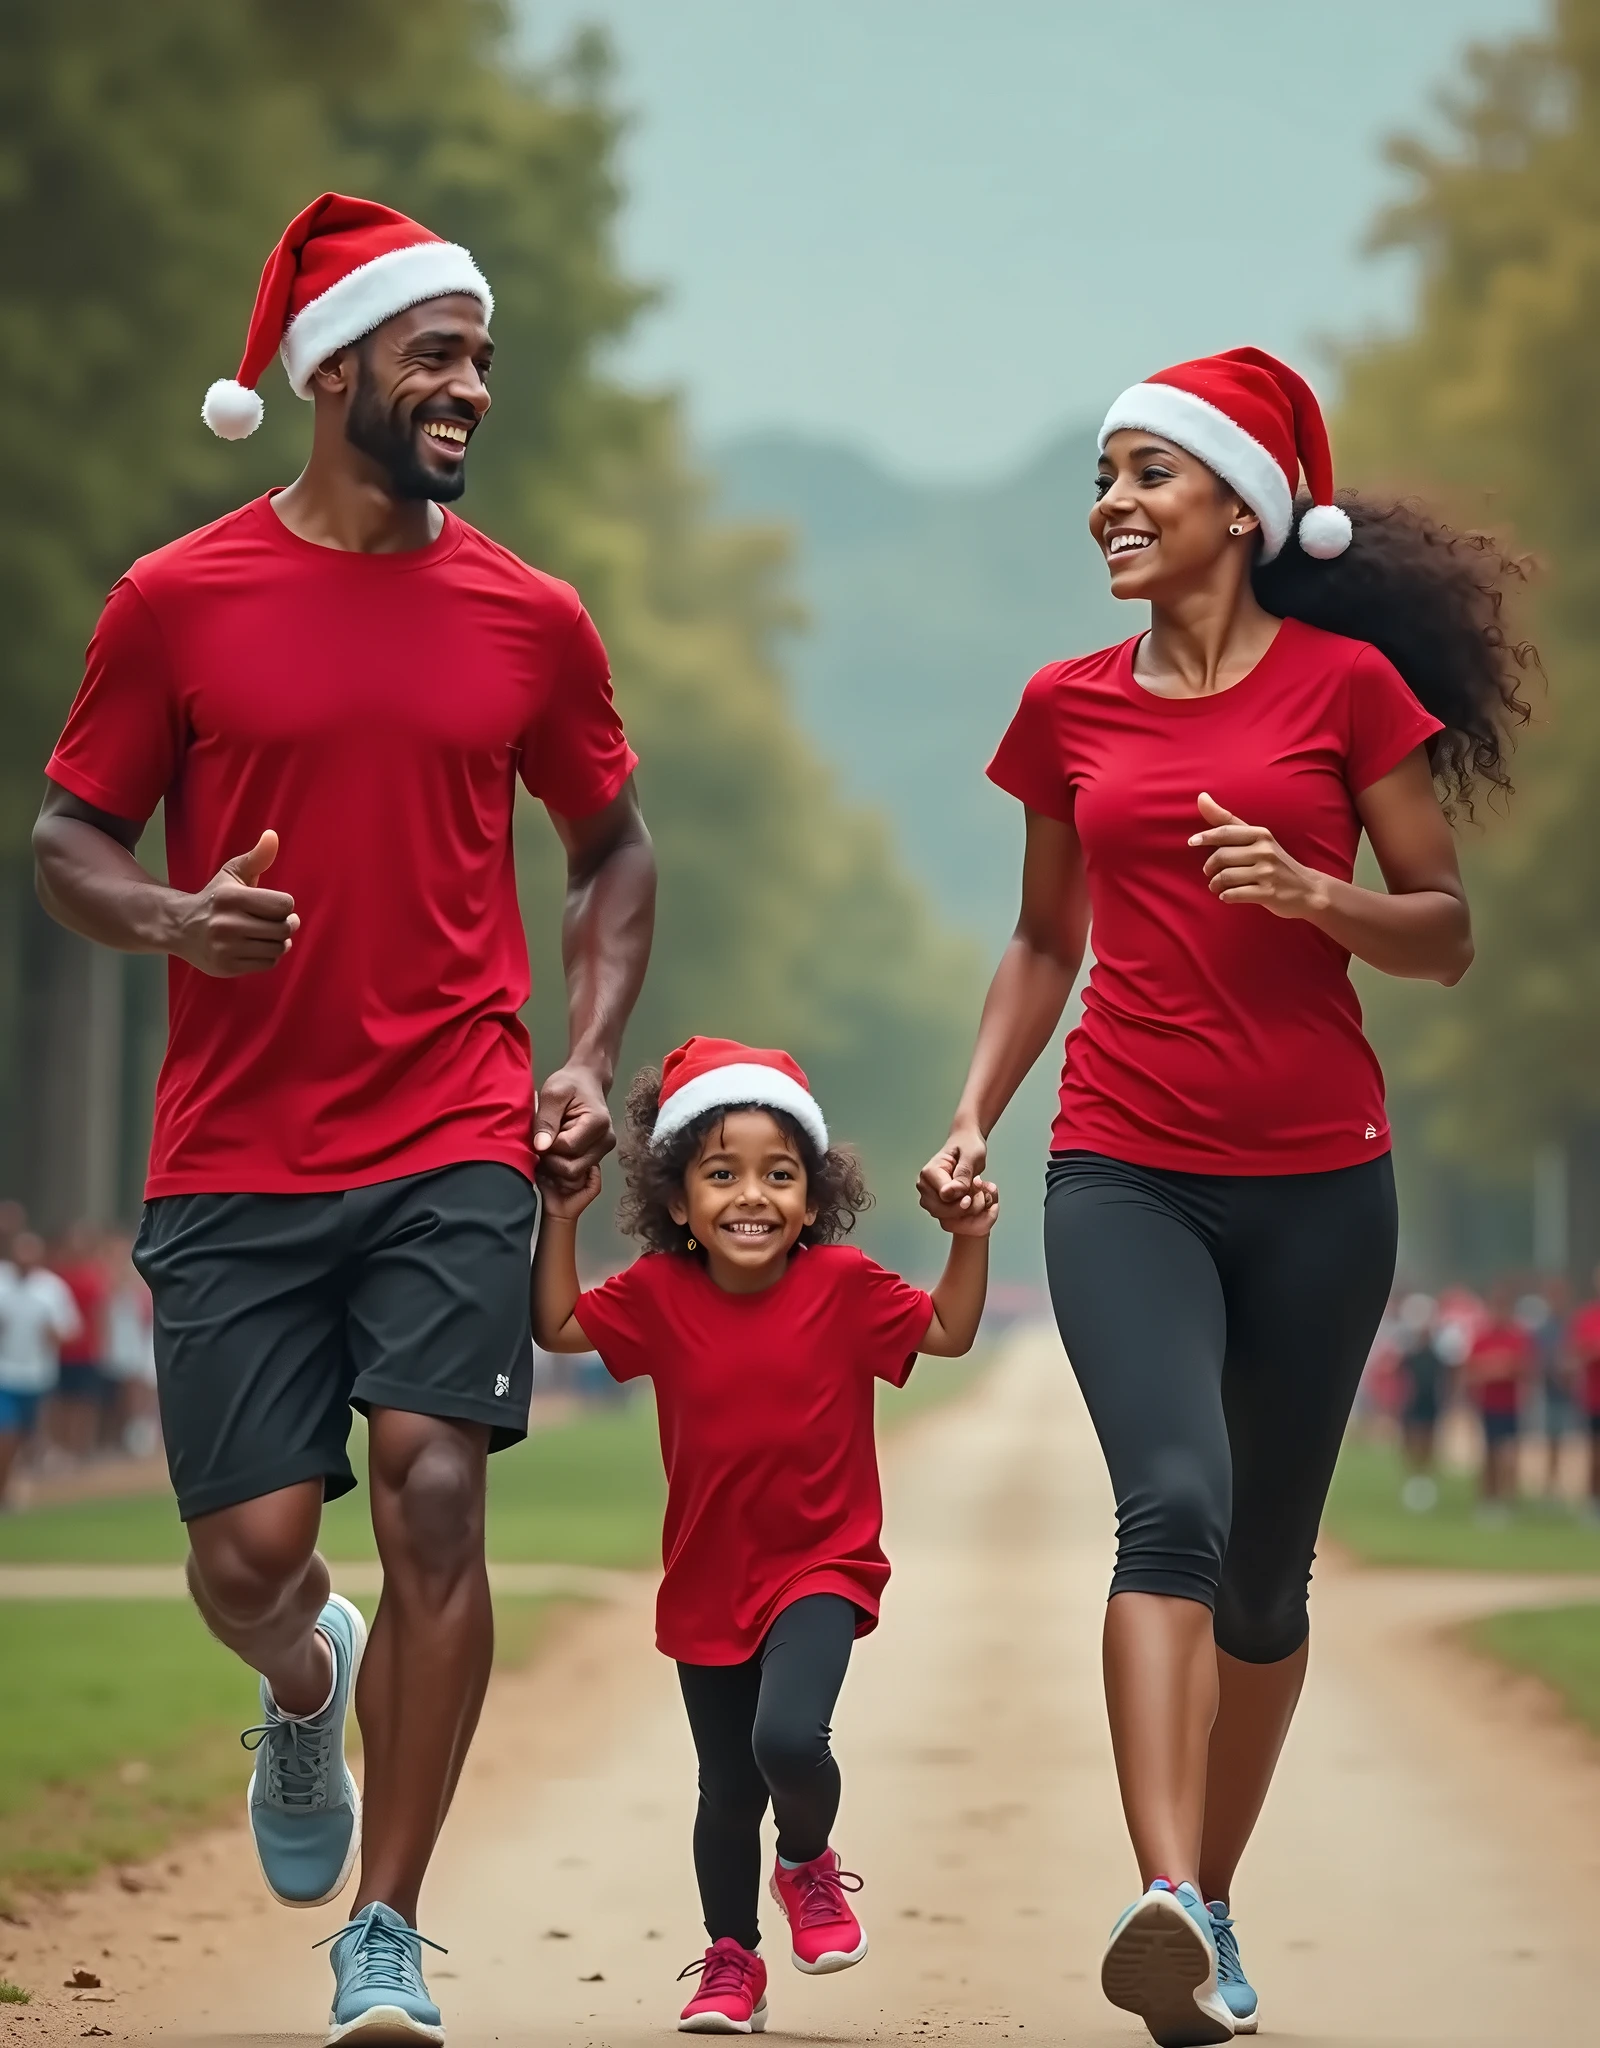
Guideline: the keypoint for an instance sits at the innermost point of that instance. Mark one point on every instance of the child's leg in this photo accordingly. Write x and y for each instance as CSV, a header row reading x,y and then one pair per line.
x,y
721,1704
803,1662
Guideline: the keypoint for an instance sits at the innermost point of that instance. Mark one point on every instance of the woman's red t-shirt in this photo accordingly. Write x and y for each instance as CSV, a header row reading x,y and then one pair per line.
x,y
765,1405
1216,1038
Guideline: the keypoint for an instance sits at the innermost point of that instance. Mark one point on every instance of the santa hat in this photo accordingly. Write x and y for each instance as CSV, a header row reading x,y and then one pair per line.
x,y
343,267
720,1073
1257,423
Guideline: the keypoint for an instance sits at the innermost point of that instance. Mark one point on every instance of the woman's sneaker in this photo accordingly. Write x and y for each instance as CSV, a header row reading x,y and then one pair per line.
x,y
1238,1994
825,1934
304,1809
379,1998
1161,1962
732,1998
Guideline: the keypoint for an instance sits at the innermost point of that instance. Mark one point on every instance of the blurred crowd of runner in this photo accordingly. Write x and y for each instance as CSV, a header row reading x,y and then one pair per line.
x,y
77,1362
1512,1377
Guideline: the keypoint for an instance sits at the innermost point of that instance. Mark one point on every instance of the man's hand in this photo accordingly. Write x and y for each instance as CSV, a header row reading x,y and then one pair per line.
x,y
947,1185
572,1132
1247,865
231,927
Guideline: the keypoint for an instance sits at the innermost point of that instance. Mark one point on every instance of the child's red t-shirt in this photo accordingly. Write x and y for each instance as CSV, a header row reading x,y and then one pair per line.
x,y
765,1404
1583,1341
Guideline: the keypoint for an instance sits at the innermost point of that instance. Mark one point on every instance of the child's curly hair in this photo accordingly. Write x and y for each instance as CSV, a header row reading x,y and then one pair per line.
x,y
653,1177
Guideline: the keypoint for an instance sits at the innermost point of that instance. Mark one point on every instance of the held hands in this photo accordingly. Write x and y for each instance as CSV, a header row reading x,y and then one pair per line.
x,y
566,1205
952,1190
231,927
1247,865
572,1133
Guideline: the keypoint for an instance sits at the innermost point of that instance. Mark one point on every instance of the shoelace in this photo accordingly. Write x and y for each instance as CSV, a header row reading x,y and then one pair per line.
x,y
823,1897
1230,1970
380,1955
720,1970
298,1754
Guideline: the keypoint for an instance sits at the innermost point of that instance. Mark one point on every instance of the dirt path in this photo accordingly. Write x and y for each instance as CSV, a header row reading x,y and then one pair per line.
x,y
1424,1874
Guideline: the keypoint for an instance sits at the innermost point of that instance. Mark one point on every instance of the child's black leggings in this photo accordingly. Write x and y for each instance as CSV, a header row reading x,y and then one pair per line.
x,y
761,1732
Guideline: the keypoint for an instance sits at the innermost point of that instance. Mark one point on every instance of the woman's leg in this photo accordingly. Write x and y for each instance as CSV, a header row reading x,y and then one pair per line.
x,y
803,1663
1139,1303
1308,1262
720,1700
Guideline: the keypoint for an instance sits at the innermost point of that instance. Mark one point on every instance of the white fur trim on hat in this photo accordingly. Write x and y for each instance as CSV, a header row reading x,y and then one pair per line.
x,y
232,410
1324,531
733,1087
1219,442
365,298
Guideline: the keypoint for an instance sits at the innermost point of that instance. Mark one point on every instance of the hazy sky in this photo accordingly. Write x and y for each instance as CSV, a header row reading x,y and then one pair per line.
x,y
940,228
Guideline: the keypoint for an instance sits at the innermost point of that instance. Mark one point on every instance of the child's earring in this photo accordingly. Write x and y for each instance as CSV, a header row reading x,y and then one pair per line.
x,y
1236,530
692,1246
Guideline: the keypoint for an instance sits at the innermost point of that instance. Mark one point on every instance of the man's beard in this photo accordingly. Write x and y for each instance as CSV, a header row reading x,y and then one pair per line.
x,y
384,440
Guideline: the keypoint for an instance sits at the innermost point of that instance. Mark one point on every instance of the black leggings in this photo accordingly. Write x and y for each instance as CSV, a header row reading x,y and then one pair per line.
x,y
1218,1325
761,1732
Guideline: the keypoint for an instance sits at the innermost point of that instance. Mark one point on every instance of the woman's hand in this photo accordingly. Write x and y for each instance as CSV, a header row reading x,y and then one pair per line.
x,y
1247,865
946,1185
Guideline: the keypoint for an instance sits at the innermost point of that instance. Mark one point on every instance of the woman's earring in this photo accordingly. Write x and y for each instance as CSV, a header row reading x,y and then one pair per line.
x,y
1236,530
692,1246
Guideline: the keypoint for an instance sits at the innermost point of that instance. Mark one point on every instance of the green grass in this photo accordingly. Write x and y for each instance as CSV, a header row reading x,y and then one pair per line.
x,y
1364,1514
13,1994
119,1728
1561,1645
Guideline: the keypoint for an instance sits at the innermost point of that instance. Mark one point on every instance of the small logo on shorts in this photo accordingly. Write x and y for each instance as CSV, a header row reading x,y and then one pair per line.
x,y
502,1383
1371,1131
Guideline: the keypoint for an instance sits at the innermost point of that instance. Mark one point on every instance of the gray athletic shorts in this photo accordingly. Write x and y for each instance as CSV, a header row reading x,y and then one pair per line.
x,y
275,1315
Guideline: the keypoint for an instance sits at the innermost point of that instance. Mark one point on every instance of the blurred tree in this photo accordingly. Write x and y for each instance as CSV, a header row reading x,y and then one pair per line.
x,y
148,160
1488,406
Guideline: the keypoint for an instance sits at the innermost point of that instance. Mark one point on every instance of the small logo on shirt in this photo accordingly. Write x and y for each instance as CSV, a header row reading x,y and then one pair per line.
x,y
502,1382
1371,1131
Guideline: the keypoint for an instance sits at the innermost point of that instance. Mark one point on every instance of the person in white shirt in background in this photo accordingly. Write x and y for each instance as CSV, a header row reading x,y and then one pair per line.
x,y
130,1353
37,1315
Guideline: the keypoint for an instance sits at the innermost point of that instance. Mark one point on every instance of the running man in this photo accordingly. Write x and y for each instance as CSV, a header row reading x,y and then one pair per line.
x,y
333,690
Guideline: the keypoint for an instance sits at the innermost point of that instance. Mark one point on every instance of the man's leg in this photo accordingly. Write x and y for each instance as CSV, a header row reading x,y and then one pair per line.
x,y
427,1663
258,1582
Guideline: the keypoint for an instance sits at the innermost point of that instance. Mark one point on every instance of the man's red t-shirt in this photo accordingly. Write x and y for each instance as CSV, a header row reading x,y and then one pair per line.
x,y
1583,1342
375,711
1216,1038
765,1404
1502,1356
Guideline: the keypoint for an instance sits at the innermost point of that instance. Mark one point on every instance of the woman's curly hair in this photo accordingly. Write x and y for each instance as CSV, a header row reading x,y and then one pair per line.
x,y
652,1178
1432,600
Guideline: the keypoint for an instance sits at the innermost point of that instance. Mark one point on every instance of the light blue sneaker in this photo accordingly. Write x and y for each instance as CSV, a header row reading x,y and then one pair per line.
x,y
305,1811
1161,1962
378,1992
1238,1993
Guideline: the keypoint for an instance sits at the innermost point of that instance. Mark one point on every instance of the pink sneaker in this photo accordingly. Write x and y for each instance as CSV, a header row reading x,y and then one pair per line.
x,y
827,1936
732,1998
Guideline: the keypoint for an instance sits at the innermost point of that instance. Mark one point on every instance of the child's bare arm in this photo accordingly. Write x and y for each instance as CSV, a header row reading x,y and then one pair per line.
x,y
959,1297
554,1288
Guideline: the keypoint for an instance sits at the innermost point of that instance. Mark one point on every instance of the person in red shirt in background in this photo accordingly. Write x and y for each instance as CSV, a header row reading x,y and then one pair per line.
x,y
1498,1370
333,693
78,1406
1583,1358
1220,1220
764,1337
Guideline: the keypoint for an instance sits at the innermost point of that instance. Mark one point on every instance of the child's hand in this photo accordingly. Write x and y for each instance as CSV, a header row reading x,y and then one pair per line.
x,y
566,1204
980,1219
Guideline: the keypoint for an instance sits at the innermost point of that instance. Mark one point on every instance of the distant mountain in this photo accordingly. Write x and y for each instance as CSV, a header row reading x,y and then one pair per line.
x,y
930,607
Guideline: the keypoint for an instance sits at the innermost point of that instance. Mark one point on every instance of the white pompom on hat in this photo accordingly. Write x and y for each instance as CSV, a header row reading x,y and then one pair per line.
x,y
719,1073
342,267
1257,423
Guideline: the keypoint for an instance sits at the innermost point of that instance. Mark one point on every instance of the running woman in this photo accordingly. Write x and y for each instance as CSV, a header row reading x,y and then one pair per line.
x,y
335,690
1220,1209
764,1336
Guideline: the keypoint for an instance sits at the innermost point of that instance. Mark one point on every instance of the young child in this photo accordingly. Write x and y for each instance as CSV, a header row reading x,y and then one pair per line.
x,y
764,1336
